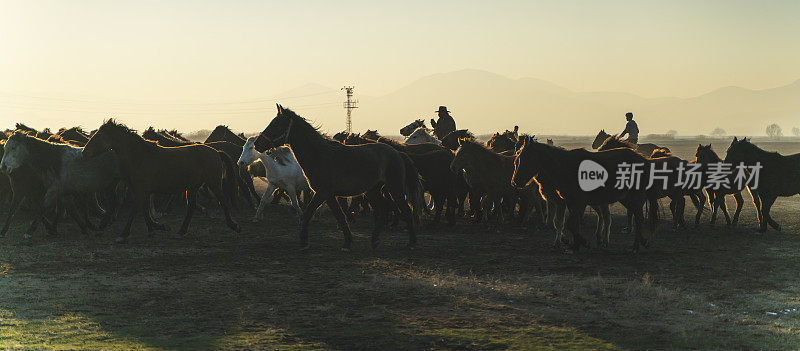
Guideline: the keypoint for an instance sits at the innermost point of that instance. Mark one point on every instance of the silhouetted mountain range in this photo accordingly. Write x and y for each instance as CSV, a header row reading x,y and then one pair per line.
x,y
485,102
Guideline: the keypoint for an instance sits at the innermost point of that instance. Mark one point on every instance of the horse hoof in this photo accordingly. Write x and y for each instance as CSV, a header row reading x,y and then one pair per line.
x,y
345,249
410,247
305,247
121,240
26,236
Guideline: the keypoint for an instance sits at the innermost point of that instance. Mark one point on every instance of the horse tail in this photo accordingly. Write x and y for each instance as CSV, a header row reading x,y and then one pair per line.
x,y
228,178
415,192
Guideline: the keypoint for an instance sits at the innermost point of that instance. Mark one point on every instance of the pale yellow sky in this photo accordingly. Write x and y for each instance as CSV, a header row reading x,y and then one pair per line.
x,y
216,51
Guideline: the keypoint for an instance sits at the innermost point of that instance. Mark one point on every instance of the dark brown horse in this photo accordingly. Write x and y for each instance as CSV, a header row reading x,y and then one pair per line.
x,y
336,170
75,135
223,133
662,159
561,167
493,172
705,156
450,141
149,168
644,149
779,175
447,188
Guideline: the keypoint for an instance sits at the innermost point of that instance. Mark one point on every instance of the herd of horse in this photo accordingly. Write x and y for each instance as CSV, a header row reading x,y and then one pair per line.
x,y
512,177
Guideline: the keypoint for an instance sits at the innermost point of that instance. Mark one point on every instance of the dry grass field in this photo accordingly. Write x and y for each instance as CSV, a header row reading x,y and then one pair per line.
x,y
462,288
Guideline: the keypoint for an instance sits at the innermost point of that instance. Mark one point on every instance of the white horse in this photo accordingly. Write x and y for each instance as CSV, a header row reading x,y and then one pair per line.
x,y
421,135
282,172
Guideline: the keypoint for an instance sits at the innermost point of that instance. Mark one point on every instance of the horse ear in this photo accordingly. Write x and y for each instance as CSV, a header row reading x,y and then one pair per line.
x,y
735,139
516,129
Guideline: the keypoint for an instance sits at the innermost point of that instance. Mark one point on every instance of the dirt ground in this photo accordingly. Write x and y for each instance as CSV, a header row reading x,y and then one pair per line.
x,y
463,287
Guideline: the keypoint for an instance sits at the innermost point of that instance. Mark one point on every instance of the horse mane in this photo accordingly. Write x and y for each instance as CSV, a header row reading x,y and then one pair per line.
x,y
615,142
21,126
746,142
306,125
111,123
660,152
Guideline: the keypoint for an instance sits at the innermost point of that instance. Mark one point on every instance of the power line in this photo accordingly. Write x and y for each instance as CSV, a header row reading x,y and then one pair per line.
x,y
142,112
161,103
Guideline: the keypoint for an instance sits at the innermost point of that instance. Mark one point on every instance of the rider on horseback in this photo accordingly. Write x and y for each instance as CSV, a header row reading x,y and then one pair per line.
x,y
631,128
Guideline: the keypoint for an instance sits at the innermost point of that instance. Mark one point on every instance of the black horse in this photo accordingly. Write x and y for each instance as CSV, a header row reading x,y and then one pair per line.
x,y
337,170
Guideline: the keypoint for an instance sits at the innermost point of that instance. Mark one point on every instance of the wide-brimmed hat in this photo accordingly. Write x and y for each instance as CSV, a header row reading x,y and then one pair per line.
x,y
443,109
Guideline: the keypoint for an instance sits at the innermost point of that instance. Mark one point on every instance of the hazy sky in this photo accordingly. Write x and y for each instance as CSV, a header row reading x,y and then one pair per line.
x,y
216,51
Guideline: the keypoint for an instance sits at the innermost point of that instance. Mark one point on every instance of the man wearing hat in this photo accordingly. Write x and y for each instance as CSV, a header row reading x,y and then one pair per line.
x,y
631,128
444,125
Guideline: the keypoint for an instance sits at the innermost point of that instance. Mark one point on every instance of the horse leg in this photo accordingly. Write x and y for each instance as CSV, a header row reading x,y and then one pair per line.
x,y
438,205
379,212
308,212
757,203
191,203
739,203
16,201
607,223
715,204
598,230
766,206
452,204
723,205
265,199
576,211
333,205
699,205
638,217
216,189
673,207
399,199
767,216
559,221
290,190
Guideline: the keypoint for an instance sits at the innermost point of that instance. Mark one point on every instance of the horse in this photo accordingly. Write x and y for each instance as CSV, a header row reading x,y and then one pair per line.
x,y
451,140
163,139
149,168
523,139
223,133
645,149
340,136
25,129
503,142
66,174
401,147
335,170
74,134
493,171
411,127
371,134
779,175
23,184
421,135
445,186
559,167
705,156
174,133
662,158
281,171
